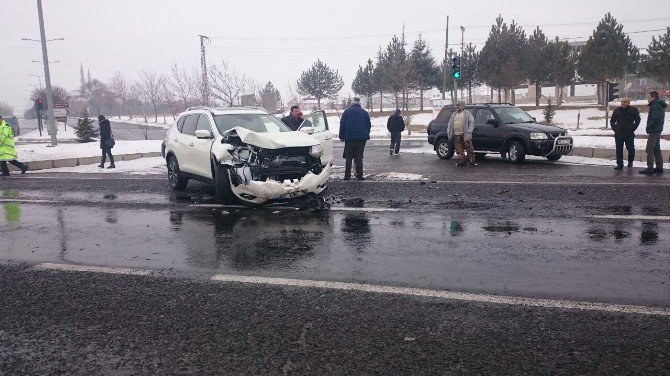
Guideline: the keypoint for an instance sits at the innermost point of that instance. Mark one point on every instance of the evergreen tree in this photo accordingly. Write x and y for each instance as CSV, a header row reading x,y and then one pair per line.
x,y
399,68
364,83
380,74
657,64
549,111
514,41
561,61
535,62
470,69
492,57
320,82
85,130
424,67
501,58
270,89
608,53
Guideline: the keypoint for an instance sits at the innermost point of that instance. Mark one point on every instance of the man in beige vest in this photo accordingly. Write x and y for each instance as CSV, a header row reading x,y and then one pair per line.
x,y
460,128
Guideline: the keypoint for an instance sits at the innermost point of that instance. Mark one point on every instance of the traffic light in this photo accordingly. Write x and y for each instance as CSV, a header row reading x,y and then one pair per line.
x,y
39,105
456,67
612,91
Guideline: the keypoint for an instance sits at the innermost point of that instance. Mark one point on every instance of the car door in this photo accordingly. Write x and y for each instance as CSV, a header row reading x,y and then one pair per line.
x,y
485,135
319,122
181,141
201,149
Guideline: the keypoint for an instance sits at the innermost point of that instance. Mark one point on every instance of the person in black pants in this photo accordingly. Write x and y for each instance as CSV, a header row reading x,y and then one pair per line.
x,y
106,142
395,125
355,128
8,150
624,122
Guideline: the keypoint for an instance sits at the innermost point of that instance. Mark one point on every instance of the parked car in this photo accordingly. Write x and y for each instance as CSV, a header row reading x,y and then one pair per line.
x,y
13,123
249,155
502,129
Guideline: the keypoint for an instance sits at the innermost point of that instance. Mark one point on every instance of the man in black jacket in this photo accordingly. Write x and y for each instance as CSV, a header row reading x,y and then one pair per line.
x,y
106,142
395,125
355,128
294,119
624,122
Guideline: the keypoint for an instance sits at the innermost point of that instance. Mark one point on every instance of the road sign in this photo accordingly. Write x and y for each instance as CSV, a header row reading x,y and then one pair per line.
x,y
60,112
61,105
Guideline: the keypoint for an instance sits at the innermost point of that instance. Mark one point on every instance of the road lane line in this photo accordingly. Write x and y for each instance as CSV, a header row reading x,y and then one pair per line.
x,y
633,217
28,201
452,295
92,269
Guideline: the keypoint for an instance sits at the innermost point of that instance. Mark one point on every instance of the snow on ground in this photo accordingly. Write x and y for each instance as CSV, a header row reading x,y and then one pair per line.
x,y
62,134
595,126
142,166
140,121
41,152
379,124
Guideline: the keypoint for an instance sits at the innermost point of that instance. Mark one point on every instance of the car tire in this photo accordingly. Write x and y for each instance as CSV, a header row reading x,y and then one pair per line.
x,y
516,152
224,192
177,181
444,148
554,157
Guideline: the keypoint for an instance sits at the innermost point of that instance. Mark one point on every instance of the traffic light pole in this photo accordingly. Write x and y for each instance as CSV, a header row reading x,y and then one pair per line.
x,y
47,76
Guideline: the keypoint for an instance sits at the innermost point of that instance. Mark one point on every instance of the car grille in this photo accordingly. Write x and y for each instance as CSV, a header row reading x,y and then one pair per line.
x,y
557,134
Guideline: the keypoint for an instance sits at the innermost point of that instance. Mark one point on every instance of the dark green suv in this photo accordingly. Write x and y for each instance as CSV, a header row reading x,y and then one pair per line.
x,y
502,129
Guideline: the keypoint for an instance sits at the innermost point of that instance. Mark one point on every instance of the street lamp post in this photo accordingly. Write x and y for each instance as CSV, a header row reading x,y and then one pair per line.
x,y
47,75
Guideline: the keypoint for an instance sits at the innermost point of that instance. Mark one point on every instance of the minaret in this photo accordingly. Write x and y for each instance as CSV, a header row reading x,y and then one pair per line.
x,y
81,79
89,76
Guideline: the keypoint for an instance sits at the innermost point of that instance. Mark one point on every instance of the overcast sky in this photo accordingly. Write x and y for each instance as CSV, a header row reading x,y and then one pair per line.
x,y
269,40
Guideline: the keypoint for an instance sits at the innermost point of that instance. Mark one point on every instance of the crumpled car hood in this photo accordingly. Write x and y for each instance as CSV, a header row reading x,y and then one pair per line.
x,y
273,140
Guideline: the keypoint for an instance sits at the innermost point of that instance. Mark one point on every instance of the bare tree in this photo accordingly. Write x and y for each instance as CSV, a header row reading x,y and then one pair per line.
x,y
150,84
200,90
227,84
120,87
181,85
136,92
168,97
99,95
6,109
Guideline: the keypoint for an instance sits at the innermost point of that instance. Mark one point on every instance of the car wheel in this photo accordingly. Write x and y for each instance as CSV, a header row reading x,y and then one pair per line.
x,y
554,157
516,152
224,192
444,149
175,178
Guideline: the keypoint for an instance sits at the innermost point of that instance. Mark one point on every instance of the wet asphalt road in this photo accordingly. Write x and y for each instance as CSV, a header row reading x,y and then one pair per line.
x,y
534,231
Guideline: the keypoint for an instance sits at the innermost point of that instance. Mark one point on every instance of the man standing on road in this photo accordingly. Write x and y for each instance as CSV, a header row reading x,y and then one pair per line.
x,y
355,128
460,128
106,142
654,129
294,119
7,149
624,122
395,125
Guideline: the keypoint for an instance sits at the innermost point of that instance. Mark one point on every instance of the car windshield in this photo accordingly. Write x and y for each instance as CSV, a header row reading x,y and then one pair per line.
x,y
261,123
510,115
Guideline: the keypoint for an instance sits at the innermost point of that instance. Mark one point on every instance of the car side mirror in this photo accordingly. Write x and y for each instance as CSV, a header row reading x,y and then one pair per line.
x,y
203,133
308,130
534,119
493,122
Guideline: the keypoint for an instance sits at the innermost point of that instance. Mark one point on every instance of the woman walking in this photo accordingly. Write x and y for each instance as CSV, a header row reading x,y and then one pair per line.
x,y
395,125
106,142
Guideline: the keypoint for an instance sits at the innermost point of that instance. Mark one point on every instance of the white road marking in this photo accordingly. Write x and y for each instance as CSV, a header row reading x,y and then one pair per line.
x,y
633,217
92,269
28,201
452,295
366,210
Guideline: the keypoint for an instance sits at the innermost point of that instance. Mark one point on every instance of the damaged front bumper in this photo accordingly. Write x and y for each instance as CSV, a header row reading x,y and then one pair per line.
x,y
260,192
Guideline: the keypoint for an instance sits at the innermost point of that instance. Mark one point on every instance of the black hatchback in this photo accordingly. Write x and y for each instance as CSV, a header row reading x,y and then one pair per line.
x,y
502,129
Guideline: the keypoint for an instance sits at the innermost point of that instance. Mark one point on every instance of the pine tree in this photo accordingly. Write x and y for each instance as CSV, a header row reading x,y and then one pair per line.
x,y
492,57
549,111
269,88
535,62
398,68
561,61
364,83
608,53
381,77
424,67
657,64
85,130
470,69
320,82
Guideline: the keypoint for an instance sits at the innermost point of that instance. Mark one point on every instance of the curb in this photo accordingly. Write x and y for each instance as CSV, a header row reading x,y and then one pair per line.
x,y
83,161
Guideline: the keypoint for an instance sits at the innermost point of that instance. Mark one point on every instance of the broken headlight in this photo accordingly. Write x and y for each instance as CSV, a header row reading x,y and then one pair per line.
x,y
243,154
316,151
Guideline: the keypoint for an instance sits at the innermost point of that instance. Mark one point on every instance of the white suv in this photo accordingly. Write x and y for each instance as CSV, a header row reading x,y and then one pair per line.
x,y
250,156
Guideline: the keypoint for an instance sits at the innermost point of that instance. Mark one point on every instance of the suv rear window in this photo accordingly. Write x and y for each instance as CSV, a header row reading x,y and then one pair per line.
x,y
443,116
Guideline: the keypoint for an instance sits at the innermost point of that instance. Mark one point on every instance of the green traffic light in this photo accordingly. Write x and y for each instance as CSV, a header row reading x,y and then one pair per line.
x,y
457,75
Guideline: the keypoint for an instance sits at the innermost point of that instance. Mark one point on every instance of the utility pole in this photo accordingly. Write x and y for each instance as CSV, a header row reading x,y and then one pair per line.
x,y
446,59
47,76
203,66
462,54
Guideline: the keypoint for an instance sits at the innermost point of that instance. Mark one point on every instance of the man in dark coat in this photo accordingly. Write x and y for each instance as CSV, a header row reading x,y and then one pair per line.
x,y
294,119
395,125
624,122
106,142
354,131
655,122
